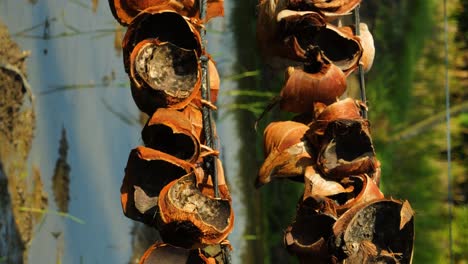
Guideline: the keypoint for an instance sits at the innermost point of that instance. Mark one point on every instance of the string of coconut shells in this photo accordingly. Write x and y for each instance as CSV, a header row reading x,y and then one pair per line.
x,y
342,216
174,182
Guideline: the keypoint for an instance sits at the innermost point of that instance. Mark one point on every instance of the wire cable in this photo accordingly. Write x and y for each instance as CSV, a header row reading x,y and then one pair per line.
x,y
362,82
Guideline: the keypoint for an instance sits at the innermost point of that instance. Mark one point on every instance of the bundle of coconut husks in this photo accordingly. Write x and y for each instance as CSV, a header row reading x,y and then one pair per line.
x,y
174,183
342,216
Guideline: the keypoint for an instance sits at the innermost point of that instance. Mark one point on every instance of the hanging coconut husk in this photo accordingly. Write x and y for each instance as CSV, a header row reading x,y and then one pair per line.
x,y
339,46
161,253
348,109
320,81
282,135
190,219
161,51
359,189
307,237
286,153
331,9
284,36
147,172
169,131
367,43
376,231
317,186
126,10
347,149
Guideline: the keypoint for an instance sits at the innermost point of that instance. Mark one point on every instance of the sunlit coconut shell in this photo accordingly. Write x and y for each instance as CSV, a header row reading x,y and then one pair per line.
x,y
367,43
279,32
126,10
170,131
147,172
289,163
189,219
323,83
161,51
348,108
339,46
283,134
378,230
347,149
317,186
331,9
362,189
307,237
161,253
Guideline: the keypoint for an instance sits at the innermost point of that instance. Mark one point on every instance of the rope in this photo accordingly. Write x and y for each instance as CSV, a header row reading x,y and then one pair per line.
x,y
362,83
449,143
210,161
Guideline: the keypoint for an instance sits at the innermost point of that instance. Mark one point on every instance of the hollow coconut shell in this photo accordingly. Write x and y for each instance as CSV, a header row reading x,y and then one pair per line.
x,y
339,46
367,43
348,109
161,253
171,132
282,135
347,149
162,61
379,230
362,190
307,237
125,11
146,173
302,89
288,163
190,219
331,9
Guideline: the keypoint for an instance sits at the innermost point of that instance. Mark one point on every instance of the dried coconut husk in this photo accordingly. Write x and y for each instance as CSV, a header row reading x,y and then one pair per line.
x,y
359,189
367,43
289,163
307,237
161,253
319,187
320,81
331,9
161,51
125,11
190,219
376,231
347,149
147,172
282,135
275,32
171,132
348,108
340,47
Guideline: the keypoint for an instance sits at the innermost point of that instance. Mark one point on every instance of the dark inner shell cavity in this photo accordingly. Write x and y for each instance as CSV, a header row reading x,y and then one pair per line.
x,y
162,138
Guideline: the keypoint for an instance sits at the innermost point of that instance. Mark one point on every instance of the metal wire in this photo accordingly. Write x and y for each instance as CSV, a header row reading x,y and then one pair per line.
x,y
449,141
362,83
210,161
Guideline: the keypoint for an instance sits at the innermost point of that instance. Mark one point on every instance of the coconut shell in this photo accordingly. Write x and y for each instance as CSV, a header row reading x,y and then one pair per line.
x,y
147,172
162,61
190,219
307,237
347,149
282,135
171,132
303,89
331,9
126,10
379,230
367,43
